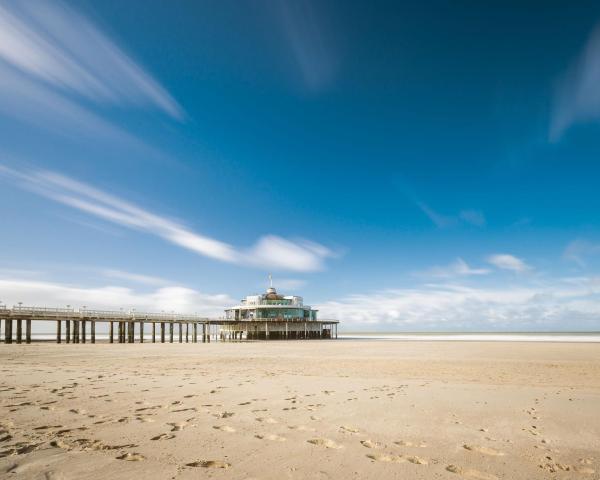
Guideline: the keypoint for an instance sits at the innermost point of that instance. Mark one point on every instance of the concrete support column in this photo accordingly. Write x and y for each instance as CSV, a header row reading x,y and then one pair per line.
x,y
286,331
111,331
267,330
195,333
68,331
141,332
187,333
58,332
83,324
162,332
204,333
180,332
93,330
19,330
28,331
171,328
153,332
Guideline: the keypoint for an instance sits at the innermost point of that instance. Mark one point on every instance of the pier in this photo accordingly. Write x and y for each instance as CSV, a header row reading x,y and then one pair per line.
x,y
79,326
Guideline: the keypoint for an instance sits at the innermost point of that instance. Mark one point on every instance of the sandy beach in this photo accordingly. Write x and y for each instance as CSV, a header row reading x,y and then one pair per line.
x,y
304,409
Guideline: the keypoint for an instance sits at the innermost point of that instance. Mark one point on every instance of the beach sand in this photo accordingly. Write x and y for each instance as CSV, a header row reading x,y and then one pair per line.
x,y
300,409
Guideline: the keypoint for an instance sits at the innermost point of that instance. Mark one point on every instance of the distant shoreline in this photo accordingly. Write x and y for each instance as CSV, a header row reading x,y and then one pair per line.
x,y
562,337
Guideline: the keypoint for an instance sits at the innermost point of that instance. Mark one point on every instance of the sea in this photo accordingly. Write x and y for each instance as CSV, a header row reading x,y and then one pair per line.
x,y
578,337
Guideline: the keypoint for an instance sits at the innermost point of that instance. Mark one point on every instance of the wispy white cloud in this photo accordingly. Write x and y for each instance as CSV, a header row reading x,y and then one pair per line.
x,y
34,104
506,261
58,47
289,284
302,25
134,277
439,220
270,251
579,249
577,98
556,306
110,297
474,217
457,268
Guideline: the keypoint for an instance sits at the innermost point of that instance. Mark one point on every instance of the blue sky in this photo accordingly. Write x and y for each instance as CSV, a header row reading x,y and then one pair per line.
x,y
403,166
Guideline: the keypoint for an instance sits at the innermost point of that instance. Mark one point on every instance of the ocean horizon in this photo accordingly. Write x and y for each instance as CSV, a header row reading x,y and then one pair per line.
x,y
579,337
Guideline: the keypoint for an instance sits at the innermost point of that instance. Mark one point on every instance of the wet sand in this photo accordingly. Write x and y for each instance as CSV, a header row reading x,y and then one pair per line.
x,y
301,409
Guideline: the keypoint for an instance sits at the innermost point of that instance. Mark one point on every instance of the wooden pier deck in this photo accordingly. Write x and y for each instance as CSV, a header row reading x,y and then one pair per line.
x,y
163,327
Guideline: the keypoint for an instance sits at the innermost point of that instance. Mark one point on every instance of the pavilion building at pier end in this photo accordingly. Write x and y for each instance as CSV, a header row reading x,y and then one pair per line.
x,y
272,316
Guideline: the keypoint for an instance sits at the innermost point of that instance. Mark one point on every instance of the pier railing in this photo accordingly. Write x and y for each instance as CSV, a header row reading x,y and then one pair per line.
x,y
124,325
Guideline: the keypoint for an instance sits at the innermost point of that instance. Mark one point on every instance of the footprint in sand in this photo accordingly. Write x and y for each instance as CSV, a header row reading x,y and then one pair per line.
x,y
146,419
383,457
324,442
177,426
471,473
60,444
266,420
131,457
209,464
485,450
224,428
407,443
223,414
163,436
301,428
417,460
370,444
347,429
272,437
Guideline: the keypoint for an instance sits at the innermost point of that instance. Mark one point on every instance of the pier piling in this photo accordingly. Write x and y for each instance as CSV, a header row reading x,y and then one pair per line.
x,y
19,330
7,331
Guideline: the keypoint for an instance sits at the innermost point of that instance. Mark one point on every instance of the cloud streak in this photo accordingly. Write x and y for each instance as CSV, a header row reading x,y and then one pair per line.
x,y
110,297
506,261
302,26
577,98
472,217
270,251
557,306
58,47
578,250
457,268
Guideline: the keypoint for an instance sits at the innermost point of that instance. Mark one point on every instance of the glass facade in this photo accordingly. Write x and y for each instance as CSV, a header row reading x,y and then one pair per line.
x,y
271,306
